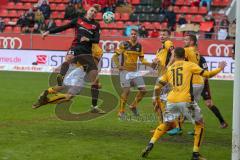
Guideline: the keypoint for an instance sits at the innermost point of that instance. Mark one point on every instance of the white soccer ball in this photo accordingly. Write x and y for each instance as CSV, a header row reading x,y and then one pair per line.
x,y
108,17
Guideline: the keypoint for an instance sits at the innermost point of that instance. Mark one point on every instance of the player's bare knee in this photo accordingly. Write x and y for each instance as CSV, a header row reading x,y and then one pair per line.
x,y
209,103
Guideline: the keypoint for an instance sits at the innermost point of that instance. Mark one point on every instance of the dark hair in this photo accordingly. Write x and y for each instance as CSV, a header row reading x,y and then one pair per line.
x,y
135,30
179,52
193,38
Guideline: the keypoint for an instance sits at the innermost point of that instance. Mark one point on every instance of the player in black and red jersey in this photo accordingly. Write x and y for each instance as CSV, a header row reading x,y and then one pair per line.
x,y
206,95
86,36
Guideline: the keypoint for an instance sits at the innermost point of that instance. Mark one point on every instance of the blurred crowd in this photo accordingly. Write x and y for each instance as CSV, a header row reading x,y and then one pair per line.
x,y
38,19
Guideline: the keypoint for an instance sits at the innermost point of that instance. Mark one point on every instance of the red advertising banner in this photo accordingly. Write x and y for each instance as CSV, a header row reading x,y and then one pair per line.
x,y
108,44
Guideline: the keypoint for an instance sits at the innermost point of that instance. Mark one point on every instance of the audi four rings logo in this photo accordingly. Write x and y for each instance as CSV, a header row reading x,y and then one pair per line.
x,y
109,46
219,49
10,42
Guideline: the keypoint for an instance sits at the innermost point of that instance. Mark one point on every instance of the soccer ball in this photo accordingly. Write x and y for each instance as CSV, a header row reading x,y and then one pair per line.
x,y
108,17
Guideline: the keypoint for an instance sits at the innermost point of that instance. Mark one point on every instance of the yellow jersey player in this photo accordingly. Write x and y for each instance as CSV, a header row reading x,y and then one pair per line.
x,y
130,52
192,55
179,76
162,59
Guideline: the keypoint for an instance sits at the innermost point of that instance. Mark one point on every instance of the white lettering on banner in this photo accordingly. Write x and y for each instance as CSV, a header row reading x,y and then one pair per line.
x,y
11,42
30,57
49,60
109,46
218,49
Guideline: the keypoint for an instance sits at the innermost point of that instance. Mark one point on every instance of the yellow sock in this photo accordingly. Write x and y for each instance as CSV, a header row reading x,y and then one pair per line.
x,y
159,131
51,90
198,136
137,99
123,101
57,97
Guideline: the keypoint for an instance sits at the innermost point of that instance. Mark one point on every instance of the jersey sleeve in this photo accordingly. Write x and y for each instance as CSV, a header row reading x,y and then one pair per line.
x,y
195,69
203,63
163,79
64,27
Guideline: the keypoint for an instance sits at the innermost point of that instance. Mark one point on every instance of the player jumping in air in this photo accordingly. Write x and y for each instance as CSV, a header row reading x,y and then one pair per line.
x,y
129,52
86,36
179,99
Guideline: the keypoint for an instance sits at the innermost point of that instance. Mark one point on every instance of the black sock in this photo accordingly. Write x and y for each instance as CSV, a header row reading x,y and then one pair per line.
x,y
64,68
217,113
95,93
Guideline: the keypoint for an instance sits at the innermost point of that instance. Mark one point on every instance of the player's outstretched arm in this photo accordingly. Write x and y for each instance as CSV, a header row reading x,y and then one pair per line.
x,y
208,74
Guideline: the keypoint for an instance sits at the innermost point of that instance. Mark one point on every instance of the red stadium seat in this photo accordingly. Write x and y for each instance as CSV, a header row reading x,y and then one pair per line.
x,y
135,2
176,9
65,21
216,3
164,25
119,24
156,25
193,10
3,13
197,18
11,5
202,10
54,15
187,2
51,1
12,13
6,20
98,16
58,22
148,25
61,15
184,9
19,13
14,19
110,25
188,17
58,1
129,23
8,29
125,16
102,24
19,6
117,16
65,1
177,17
226,2
115,32
27,6
105,32
17,30
53,6
179,2
60,7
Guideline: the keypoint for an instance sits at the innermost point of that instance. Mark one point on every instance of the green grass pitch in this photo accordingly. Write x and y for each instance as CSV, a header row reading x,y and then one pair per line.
x,y
27,134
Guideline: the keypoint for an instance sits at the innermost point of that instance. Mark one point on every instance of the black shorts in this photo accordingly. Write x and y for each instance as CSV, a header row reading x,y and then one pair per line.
x,y
206,93
84,57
